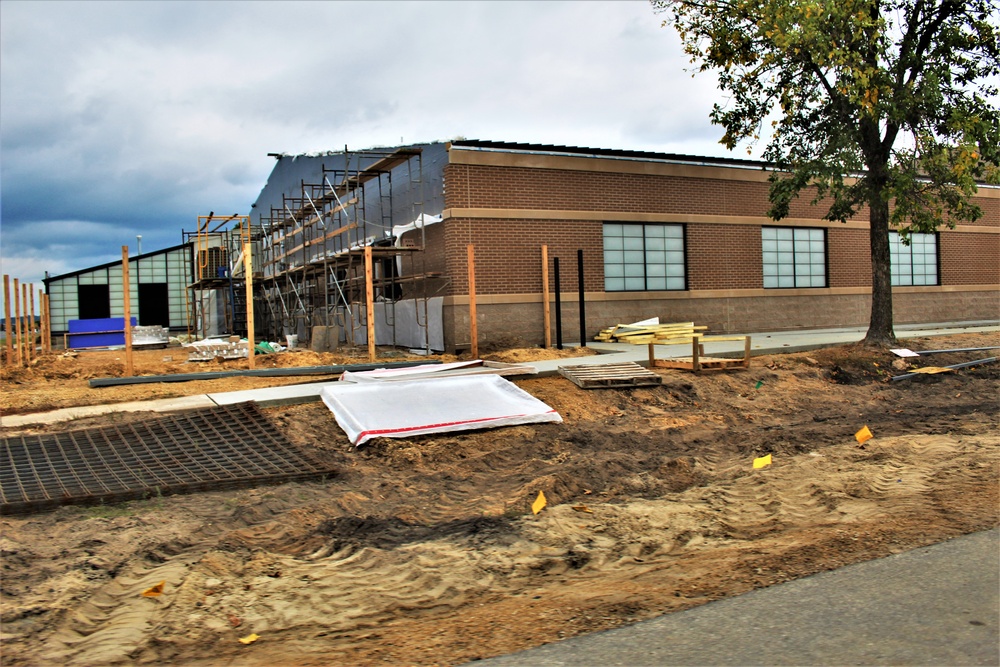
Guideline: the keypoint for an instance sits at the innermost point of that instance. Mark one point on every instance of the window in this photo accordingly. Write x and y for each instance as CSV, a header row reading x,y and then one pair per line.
x,y
914,264
793,257
640,257
93,302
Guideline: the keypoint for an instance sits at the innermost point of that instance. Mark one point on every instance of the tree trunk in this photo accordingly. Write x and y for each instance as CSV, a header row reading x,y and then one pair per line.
x,y
880,331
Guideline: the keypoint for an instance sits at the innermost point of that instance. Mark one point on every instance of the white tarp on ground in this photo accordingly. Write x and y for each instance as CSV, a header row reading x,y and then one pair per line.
x,y
402,409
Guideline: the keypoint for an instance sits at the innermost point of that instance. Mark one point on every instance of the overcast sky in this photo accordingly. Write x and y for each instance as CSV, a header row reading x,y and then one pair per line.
x,y
126,118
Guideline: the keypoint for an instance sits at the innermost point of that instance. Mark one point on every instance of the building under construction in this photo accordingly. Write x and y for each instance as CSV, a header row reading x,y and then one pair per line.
x,y
482,226
318,214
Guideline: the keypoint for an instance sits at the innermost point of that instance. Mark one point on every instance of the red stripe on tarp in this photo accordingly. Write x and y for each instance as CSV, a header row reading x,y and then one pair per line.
x,y
407,429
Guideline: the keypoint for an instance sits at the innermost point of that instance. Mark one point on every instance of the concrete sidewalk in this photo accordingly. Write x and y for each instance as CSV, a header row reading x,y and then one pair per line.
x,y
932,606
761,344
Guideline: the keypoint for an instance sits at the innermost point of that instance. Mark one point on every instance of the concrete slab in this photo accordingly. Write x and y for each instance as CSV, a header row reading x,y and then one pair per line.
x,y
274,396
66,414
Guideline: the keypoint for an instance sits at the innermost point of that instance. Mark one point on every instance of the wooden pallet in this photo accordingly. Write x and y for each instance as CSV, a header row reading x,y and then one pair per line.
x,y
605,376
698,362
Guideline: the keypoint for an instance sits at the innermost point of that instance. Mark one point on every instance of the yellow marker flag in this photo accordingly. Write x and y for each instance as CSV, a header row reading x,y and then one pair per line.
x,y
762,462
539,503
864,435
249,639
155,591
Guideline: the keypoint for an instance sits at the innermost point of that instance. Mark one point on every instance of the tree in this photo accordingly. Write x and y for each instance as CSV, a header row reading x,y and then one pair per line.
x,y
889,104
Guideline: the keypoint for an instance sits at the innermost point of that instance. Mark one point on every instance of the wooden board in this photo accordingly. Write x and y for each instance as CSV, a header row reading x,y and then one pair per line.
x,y
604,376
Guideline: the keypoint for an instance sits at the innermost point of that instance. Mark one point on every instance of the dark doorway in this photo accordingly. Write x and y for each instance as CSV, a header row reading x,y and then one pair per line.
x,y
154,306
93,302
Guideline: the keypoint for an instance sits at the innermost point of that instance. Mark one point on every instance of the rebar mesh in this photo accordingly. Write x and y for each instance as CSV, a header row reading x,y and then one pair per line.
x,y
208,449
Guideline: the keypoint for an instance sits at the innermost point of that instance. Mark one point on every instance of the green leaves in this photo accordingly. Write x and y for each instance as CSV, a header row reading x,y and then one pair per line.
x,y
900,94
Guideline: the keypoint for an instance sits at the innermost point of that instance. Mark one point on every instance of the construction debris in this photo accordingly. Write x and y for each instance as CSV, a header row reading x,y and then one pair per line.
x,y
617,375
917,372
641,333
209,349
150,336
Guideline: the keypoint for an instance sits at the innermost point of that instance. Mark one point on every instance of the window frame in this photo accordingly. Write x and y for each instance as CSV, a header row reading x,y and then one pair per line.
x,y
669,267
796,251
897,248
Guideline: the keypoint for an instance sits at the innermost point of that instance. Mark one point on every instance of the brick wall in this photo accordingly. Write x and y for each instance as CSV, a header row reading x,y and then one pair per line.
x,y
721,256
969,259
475,186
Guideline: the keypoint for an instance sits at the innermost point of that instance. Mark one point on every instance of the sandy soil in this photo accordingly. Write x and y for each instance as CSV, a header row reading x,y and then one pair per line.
x,y
424,551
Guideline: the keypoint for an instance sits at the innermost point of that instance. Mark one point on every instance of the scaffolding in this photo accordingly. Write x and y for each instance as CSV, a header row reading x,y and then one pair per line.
x,y
313,248
216,299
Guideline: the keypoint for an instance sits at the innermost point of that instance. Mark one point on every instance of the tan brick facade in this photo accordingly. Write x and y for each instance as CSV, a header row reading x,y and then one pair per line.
x,y
509,204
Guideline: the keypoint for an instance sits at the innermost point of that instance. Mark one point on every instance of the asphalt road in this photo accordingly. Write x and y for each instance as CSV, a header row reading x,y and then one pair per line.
x,y
936,605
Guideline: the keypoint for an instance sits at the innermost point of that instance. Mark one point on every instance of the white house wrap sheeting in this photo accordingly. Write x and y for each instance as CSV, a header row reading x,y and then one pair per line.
x,y
402,409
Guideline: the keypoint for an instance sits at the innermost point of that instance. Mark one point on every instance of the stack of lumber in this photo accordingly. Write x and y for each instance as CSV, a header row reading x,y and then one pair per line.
x,y
661,334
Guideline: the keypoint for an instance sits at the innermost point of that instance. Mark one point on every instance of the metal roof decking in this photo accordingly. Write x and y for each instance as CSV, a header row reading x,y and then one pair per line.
x,y
200,450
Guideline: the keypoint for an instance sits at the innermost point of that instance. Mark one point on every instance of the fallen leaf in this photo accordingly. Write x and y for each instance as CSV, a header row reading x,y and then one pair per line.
x,y
762,461
235,621
864,435
249,639
583,508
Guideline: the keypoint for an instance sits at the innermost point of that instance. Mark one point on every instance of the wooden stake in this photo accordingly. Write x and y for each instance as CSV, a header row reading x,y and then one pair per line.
x,y
248,275
545,297
9,340
43,323
473,324
31,322
17,325
24,323
370,303
127,294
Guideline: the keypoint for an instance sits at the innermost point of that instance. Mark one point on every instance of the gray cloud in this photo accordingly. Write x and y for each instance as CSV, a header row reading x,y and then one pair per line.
x,y
119,119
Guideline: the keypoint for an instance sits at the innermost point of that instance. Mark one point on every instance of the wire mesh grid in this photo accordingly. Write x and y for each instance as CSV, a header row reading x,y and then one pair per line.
x,y
208,449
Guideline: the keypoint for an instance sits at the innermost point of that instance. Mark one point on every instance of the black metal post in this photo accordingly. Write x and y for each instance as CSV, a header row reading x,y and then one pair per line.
x,y
583,310
555,276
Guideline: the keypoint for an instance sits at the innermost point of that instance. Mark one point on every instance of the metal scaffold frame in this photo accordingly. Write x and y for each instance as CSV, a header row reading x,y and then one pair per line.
x,y
216,291
313,249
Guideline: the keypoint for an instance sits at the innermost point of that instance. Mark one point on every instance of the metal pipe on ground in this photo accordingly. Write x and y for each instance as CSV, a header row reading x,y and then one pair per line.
x,y
978,362
259,372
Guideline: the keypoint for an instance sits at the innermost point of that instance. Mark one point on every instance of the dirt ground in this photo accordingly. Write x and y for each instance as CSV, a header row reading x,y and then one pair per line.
x,y
424,551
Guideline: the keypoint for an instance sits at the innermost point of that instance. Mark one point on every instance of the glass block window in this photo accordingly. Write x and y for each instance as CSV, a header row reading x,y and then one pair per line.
x,y
914,264
641,257
793,257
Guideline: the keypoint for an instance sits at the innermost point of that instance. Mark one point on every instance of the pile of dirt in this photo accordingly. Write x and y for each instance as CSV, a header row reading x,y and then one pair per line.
x,y
425,551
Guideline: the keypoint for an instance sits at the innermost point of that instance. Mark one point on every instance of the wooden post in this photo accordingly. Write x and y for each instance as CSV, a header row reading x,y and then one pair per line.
x,y
545,296
24,323
31,321
369,303
43,299
127,295
248,275
473,323
17,324
9,340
